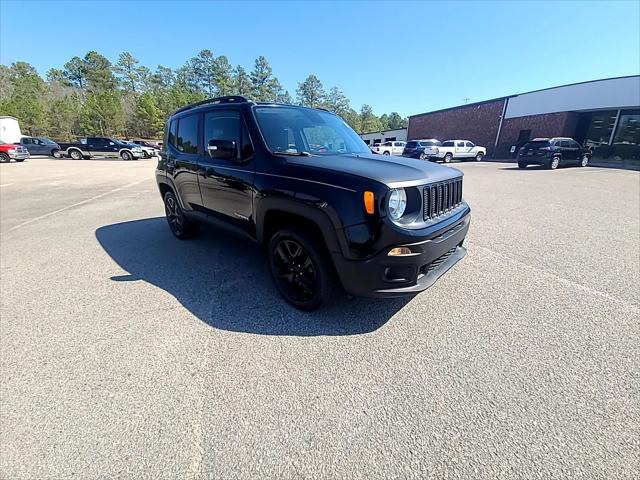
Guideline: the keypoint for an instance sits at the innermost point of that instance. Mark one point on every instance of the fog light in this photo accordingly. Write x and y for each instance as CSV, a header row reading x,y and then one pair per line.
x,y
399,251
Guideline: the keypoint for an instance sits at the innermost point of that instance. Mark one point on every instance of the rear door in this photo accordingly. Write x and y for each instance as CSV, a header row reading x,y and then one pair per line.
x,y
398,147
460,150
182,159
576,151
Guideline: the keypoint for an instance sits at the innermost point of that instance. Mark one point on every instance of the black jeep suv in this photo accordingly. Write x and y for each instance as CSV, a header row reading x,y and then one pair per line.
x,y
552,153
302,183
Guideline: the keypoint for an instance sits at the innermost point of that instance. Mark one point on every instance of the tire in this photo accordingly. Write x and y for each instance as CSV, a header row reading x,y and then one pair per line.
x,y
447,158
522,165
423,156
479,157
75,154
55,153
585,161
300,268
20,160
553,163
4,158
126,155
145,155
178,223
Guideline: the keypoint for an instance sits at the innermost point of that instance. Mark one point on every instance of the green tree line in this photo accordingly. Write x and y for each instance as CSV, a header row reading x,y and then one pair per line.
x,y
93,96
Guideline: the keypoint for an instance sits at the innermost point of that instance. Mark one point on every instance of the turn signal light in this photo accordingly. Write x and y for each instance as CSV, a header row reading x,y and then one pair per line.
x,y
368,202
399,251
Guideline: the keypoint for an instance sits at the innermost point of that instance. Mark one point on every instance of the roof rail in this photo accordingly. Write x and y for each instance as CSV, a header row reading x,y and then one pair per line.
x,y
225,99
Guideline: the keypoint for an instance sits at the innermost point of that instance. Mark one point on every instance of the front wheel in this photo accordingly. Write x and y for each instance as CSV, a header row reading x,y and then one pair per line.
x,y
126,155
522,165
55,153
585,161
479,157
300,268
386,153
145,155
75,155
4,158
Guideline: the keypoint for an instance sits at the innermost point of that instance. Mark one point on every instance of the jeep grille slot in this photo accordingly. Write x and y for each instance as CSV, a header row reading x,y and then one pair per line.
x,y
440,198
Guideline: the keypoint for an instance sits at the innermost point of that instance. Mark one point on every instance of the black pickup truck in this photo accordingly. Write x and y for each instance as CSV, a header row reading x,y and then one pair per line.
x,y
302,183
102,147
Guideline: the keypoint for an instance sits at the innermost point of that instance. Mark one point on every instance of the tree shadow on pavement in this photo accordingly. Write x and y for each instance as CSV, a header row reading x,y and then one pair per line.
x,y
225,282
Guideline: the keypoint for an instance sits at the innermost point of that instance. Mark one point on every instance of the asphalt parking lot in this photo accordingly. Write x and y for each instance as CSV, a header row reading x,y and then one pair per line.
x,y
128,354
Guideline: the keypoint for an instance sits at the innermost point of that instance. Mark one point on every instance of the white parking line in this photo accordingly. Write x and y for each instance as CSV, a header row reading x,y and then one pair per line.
x,y
6,185
41,217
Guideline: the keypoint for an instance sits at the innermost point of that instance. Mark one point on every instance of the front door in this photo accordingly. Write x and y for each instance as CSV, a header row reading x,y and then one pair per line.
x,y
461,150
227,184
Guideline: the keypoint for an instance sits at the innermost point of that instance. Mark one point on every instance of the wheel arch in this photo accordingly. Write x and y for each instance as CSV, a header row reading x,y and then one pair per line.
x,y
275,213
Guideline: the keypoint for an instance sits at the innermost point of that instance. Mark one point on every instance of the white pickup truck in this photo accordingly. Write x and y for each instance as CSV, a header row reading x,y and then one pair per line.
x,y
461,149
389,148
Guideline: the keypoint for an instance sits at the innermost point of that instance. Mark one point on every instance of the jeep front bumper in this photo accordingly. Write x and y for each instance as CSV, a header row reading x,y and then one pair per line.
x,y
392,276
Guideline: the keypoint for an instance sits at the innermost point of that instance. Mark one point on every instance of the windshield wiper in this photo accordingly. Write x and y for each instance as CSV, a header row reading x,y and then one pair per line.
x,y
293,154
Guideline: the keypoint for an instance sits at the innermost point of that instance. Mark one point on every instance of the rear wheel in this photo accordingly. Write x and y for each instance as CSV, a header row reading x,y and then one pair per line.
x,y
554,163
522,165
19,160
4,158
180,226
55,153
75,154
479,157
126,155
423,156
145,155
447,158
300,268
585,161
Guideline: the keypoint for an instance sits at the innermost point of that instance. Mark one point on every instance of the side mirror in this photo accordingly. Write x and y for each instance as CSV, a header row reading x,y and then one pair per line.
x,y
222,149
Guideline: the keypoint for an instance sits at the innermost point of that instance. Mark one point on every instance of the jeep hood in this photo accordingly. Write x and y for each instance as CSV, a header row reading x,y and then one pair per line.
x,y
386,169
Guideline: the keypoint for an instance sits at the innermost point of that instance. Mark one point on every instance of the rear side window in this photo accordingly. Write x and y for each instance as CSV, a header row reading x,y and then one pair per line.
x,y
187,138
411,144
448,143
430,143
173,130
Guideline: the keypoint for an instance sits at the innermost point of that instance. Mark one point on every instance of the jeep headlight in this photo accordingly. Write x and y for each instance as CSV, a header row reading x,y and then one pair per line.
x,y
397,203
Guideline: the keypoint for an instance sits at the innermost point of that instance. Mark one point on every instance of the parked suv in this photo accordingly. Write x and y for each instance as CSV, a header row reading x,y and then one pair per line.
x,y
302,183
422,149
552,153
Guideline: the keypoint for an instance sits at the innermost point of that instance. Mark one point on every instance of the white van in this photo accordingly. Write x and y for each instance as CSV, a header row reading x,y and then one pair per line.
x,y
10,130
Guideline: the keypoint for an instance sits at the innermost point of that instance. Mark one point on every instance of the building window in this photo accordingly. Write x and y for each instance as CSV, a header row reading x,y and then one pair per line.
x,y
594,129
626,140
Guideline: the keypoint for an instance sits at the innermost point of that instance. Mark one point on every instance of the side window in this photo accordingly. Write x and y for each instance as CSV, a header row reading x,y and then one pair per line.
x,y
574,144
173,133
469,144
187,137
565,144
27,141
460,144
222,125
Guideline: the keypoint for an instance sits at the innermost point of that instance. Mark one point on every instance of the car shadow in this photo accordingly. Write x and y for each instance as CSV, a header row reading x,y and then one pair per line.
x,y
225,282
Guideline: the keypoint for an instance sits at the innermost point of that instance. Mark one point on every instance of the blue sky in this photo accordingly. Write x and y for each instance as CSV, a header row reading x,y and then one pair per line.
x,y
407,57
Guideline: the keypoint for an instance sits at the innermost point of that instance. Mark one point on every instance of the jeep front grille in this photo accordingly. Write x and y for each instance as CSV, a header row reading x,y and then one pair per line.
x,y
440,198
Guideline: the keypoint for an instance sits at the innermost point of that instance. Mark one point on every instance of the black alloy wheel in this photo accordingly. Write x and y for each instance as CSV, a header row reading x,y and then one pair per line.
x,y
300,269
179,225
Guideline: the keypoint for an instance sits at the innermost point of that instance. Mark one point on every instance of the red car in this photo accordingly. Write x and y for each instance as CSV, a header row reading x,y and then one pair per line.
x,y
9,151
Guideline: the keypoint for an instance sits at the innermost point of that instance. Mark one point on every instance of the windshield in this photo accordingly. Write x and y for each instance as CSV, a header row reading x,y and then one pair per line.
x,y
46,140
295,130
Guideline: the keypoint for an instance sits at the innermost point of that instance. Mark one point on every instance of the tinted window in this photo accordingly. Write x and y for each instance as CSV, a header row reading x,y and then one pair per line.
x,y
388,144
173,130
27,141
535,145
411,145
469,144
430,143
448,143
222,125
565,143
187,137
460,144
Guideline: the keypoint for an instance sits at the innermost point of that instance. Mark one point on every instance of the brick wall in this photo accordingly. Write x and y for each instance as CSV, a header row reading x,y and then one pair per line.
x,y
561,124
478,123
